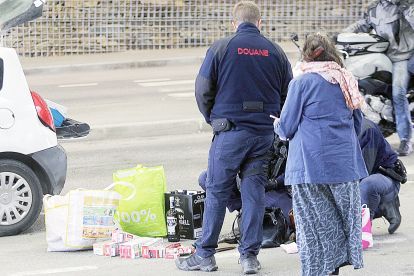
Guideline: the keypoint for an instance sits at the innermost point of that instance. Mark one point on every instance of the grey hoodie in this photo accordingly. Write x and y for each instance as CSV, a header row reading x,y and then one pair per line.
x,y
394,21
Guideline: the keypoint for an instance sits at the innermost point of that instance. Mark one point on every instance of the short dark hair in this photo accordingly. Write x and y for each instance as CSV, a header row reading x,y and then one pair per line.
x,y
319,47
246,11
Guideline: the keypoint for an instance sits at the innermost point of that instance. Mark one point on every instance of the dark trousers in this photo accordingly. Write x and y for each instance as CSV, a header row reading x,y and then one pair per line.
x,y
228,151
273,199
411,65
376,189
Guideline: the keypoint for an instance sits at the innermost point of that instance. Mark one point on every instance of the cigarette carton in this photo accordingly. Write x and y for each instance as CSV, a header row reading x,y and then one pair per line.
x,y
152,245
132,249
176,250
111,249
98,248
120,236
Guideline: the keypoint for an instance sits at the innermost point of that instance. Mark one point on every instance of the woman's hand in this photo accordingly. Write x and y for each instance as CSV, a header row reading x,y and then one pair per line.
x,y
276,121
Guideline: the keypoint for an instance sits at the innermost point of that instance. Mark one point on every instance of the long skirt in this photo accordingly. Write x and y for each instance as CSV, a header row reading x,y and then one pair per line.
x,y
328,226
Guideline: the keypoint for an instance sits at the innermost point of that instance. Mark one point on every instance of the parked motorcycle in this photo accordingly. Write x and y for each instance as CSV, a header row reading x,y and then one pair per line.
x,y
364,55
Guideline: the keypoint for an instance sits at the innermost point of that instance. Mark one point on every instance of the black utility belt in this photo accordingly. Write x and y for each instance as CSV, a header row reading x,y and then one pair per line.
x,y
253,106
223,124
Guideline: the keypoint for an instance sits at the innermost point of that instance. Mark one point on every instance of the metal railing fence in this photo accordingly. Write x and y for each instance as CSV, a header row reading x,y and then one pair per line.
x,y
102,26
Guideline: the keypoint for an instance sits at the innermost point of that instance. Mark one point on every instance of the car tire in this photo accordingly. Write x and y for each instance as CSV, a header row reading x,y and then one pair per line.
x,y
20,203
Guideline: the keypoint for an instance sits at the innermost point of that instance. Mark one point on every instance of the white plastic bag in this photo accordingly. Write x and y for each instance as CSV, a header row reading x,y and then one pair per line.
x,y
80,218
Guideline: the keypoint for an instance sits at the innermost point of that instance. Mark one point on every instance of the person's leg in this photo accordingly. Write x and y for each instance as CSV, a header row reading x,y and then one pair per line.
x,y
224,161
375,189
279,199
234,202
253,199
252,190
411,65
348,203
320,236
400,78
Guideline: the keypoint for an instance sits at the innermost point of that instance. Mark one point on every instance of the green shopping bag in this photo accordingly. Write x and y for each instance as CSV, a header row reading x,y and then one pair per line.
x,y
143,213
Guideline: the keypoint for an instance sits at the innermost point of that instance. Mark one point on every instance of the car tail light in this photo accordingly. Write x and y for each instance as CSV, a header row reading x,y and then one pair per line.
x,y
43,111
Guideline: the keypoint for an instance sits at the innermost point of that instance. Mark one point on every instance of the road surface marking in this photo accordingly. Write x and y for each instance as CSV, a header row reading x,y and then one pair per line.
x,y
78,85
55,271
181,89
166,83
150,80
148,123
182,95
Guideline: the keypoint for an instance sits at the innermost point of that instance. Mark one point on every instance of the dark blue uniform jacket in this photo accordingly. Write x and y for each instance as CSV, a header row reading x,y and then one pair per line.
x,y
244,78
375,149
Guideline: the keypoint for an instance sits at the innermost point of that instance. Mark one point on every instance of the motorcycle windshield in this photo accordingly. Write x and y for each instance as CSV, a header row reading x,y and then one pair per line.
x,y
16,12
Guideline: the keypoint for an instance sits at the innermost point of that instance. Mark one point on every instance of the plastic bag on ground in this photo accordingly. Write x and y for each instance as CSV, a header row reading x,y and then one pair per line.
x,y
143,215
79,219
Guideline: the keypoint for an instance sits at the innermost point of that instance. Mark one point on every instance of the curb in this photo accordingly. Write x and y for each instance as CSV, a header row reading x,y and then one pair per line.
x,y
113,65
83,67
148,129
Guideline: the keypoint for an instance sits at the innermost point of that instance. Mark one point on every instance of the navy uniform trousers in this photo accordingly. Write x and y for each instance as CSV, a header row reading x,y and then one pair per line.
x,y
376,189
273,199
227,154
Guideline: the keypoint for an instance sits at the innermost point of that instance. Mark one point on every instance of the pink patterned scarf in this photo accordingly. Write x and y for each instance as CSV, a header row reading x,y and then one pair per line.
x,y
333,73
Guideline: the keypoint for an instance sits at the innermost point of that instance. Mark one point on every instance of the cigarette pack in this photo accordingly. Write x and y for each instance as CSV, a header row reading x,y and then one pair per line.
x,y
98,248
106,248
151,247
132,248
120,236
111,249
176,250
171,251
156,251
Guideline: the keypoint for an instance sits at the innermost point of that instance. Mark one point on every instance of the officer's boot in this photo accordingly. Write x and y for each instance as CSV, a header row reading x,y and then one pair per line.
x,y
391,212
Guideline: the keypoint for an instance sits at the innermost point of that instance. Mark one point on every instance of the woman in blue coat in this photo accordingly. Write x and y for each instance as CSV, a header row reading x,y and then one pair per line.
x,y
321,118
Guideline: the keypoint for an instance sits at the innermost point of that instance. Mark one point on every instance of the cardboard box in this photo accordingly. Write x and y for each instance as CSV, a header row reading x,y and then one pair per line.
x,y
190,208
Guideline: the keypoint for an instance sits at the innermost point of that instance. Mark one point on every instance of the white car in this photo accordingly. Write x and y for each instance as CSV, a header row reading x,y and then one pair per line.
x,y
32,163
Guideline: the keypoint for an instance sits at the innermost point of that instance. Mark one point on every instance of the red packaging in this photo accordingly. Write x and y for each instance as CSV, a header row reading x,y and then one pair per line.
x,y
132,248
152,244
175,250
111,249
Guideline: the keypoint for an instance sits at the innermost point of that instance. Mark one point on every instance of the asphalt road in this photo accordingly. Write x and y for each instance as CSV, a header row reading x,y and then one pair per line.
x,y
149,116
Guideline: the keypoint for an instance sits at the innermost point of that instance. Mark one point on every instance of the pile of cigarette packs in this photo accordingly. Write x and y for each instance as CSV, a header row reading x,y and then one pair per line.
x,y
129,246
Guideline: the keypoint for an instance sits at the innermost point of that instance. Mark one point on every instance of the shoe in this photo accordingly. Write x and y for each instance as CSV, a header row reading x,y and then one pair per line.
x,y
405,148
274,228
391,212
195,262
250,265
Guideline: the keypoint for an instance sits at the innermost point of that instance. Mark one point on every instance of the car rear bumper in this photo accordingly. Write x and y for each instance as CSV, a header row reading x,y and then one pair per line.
x,y
54,162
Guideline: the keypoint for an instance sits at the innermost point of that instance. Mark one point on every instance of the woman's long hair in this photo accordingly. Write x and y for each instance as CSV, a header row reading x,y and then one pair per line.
x,y
319,47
